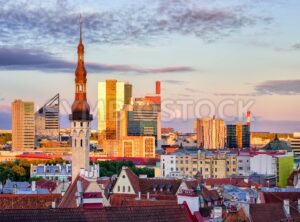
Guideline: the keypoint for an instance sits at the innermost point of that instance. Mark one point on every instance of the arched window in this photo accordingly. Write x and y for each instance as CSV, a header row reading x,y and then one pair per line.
x,y
124,189
81,143
75,141
128,189
119,189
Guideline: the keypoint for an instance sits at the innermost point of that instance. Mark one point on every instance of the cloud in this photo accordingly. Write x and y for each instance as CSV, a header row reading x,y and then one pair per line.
x,y
235,94
56,22
24,59
279,87
174,82
296,46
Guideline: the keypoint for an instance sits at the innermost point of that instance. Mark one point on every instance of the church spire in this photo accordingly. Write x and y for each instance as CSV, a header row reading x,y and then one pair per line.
x,y
80,28
80,45
80,107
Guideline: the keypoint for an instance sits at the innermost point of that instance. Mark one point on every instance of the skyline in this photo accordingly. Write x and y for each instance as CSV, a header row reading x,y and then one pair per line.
x,y
208,39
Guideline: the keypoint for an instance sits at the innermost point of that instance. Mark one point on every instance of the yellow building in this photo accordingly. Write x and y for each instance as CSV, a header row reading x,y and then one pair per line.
x,y
23,125
112,96
210,133
210,165
130,146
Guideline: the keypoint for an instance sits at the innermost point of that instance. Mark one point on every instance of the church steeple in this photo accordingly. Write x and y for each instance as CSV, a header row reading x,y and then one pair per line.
x,y
80,107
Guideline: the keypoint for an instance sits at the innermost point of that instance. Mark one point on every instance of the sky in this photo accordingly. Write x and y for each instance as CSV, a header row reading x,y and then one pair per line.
x,y
214,57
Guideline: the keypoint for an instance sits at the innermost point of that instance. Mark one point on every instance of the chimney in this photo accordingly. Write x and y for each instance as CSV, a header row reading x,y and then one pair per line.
x,y
33,186
53,205
81,172
140,196
86,173
286,207
15,189
148,196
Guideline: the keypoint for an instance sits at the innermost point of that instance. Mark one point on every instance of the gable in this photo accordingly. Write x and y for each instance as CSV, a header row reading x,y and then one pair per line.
x,y
123,184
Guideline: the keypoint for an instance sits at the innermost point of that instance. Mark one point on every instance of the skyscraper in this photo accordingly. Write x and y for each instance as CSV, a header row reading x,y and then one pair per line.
x,y
47,120
80,118
23,125
238,136
210,133
112,96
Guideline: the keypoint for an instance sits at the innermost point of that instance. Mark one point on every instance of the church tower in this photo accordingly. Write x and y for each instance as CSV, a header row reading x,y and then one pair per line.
x,y
80,118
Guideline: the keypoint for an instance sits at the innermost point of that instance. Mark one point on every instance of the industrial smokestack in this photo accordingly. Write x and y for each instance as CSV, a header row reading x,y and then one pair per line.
x,y
157,89
248,118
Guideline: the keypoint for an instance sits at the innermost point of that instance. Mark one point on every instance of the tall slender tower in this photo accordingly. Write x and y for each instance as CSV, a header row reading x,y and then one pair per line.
x,y
80,118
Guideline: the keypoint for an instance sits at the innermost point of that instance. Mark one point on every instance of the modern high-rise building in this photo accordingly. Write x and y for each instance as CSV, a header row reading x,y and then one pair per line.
x,y
80,118
112,96
210,133
295,145
47,120
238,136
23,125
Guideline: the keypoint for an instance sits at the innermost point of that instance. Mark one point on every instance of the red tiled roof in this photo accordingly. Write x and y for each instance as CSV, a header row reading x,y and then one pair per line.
x,y
172,213
272,212
134,180
92,195
131,200
155,186
226,181
46,184
278,197
234,217
28,201
291,177
69,199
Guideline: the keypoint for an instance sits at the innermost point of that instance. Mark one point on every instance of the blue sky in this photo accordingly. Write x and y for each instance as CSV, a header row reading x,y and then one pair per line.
x,y
212,50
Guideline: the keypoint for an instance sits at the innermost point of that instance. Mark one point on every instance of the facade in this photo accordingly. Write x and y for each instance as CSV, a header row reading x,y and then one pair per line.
x,y
284,168
23,125
295,144
238,136
208,164
131,146
80,118
243,164
47,120
211,133
52,172
277,164
112,96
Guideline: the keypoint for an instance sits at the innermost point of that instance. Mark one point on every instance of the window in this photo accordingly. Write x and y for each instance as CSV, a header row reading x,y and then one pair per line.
x,y
171,161
75,141
119,189
186,161
81,143
81,124
124,189
74,124
128,189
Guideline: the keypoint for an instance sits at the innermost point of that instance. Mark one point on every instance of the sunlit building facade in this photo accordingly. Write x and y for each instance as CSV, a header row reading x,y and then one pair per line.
x,y
210,133
238,136
23,125
47,120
